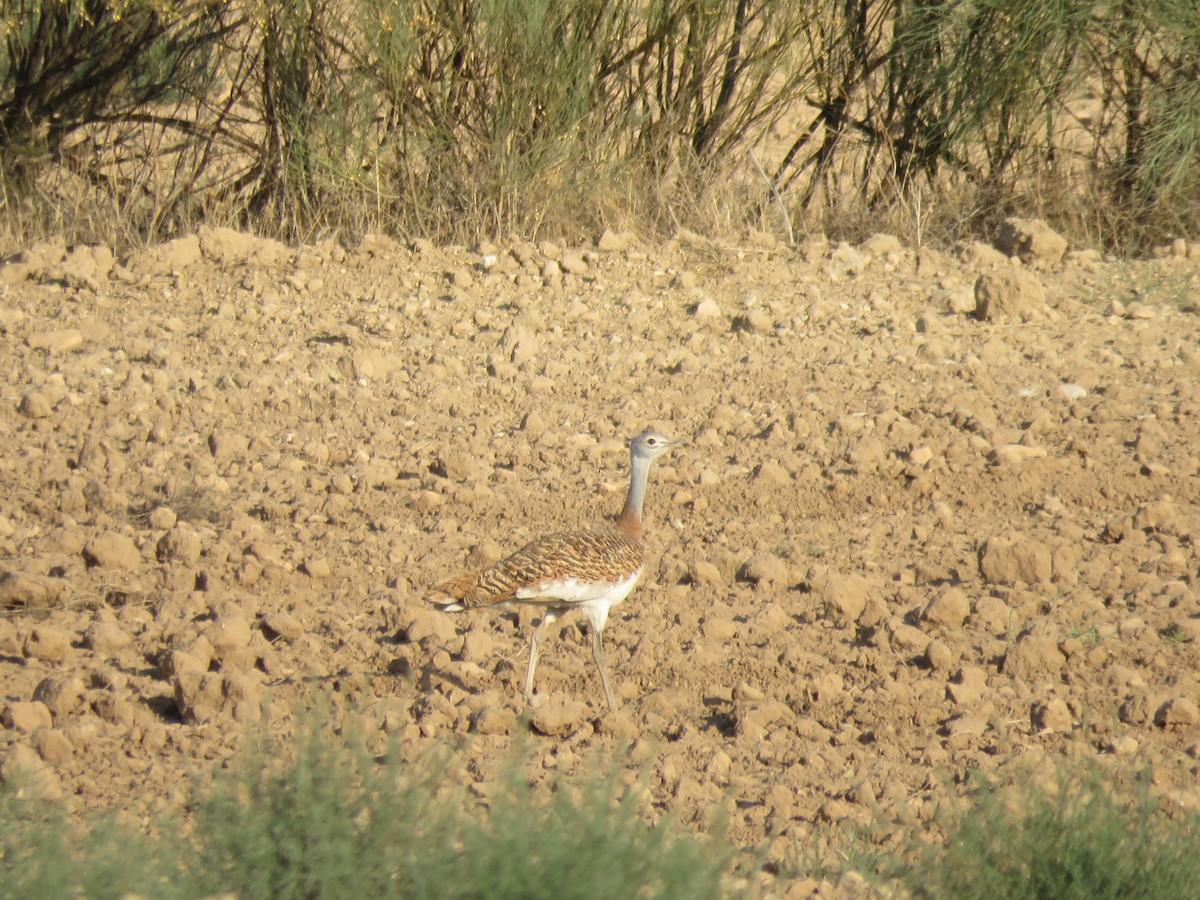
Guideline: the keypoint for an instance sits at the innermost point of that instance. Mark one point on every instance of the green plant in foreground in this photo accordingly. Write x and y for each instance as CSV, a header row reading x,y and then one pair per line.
x,y
337,822
326,818
1084,838
43,855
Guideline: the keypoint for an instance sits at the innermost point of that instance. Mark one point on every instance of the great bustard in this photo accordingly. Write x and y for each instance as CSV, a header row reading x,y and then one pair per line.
x,y
588,570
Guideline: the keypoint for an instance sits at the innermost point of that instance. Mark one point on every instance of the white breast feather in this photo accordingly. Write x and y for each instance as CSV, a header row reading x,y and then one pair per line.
x,y
572,590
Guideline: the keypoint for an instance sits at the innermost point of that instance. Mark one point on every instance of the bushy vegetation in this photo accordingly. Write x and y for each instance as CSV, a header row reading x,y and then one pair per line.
x,y
334,821
323,817
1081,837
135,119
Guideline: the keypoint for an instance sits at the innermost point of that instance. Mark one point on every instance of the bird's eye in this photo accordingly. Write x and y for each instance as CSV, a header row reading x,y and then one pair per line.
x,y
651,441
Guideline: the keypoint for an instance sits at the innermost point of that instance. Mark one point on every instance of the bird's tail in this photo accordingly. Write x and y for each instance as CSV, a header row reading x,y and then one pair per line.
x,y
448,594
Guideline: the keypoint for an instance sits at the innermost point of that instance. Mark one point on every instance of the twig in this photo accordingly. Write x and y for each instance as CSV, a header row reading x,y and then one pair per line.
x,y
779,200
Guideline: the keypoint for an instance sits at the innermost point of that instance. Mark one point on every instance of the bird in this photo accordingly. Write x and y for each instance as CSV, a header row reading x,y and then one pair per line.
x,y
591,570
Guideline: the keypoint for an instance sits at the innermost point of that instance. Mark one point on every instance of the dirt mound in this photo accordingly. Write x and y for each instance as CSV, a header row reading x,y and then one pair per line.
x,y
903,542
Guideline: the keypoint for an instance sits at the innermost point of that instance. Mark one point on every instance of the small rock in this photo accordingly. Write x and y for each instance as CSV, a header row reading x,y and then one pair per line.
x,y
920,456
182,544
908,638
615,241
1008,292
949,609
28,591
1034,657
47,644
230,633
558,716
764,568
1009,455
36,405
62,695
1009,560
719,629
316,567
26,771
478,646
1031,239
704,572
53,746
27,716
105,638
1053,715
416,624
56,341
939,656
112,550
282,625
1179,713
843,596
494,719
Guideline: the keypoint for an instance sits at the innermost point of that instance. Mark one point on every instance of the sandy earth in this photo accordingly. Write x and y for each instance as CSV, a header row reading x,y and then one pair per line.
x,y
902,543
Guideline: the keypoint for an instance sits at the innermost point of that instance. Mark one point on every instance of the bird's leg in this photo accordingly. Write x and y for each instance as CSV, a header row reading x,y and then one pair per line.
x,y
535,646
598,654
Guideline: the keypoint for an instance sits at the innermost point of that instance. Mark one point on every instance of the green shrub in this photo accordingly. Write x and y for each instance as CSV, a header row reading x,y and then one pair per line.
x,y
1084,838
335,821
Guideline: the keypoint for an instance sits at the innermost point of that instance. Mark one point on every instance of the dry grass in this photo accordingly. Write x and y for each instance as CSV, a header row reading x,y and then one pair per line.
x,y
546,118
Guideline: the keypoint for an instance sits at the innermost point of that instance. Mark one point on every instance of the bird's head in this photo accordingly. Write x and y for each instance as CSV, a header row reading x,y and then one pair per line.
x,y
649,445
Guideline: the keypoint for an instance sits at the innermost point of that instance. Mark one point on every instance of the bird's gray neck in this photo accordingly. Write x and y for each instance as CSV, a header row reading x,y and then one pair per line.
x,y
630,520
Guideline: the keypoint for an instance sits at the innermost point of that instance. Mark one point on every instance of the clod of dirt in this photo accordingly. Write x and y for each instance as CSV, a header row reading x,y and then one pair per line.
x,y
105,637
203,697
26,715
494,719
1006,559
19,590
24,768
112,550
949,609
1034,657
1014,293
282,625
1031,239
764,568
62,695
558,716
844,597
1177,713
47,644
1053,715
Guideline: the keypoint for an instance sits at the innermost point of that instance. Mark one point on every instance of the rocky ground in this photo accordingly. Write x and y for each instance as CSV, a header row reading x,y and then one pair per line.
x,y
937,512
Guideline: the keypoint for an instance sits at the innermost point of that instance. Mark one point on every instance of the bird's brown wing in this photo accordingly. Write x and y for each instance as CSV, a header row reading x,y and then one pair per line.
x,y
603,556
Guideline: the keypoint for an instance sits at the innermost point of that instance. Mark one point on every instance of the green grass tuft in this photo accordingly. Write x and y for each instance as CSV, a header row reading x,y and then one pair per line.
x,y
1081,837
326,818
